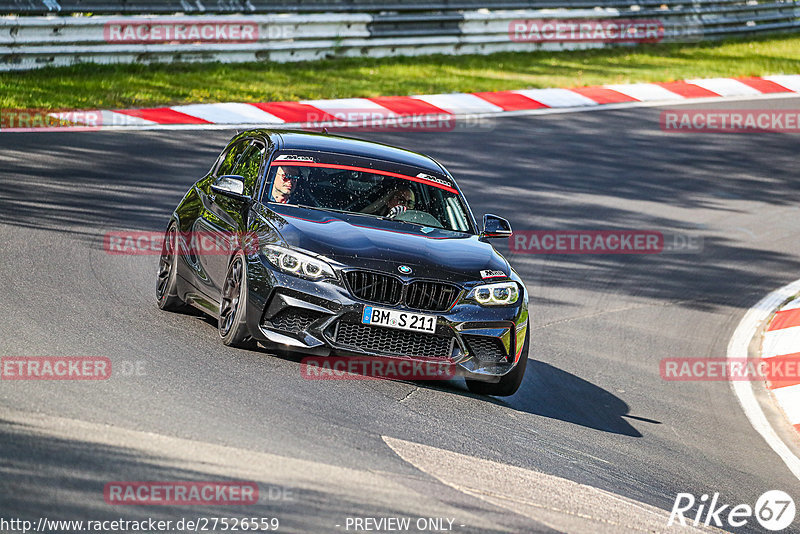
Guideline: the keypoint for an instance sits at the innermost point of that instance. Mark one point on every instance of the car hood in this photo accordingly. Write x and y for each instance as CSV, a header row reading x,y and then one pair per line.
x,y
384,245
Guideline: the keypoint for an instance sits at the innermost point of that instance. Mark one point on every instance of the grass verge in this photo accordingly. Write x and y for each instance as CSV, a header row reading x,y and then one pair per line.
x,y
126,86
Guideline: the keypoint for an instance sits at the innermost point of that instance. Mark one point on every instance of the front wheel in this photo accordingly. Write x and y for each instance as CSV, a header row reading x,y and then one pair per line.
x,y
232,328
166,282
508,384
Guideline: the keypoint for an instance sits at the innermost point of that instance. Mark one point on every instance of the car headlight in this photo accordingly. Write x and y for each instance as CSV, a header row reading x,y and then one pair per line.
x,y
499,294
293,262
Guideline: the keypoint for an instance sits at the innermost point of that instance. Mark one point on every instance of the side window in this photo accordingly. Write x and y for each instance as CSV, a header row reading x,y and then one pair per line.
x,y
456,215
248,167
228,159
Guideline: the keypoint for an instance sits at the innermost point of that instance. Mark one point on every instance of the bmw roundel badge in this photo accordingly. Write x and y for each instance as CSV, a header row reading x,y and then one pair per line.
x,y
405,269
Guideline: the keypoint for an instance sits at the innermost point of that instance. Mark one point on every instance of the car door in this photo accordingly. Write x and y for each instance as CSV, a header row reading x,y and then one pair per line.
x,y
223,217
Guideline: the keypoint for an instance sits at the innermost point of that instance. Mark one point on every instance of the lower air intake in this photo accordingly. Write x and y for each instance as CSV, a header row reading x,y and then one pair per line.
x,y
377,340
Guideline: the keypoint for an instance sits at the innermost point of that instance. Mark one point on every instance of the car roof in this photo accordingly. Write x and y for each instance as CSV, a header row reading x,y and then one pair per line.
x,y
291,139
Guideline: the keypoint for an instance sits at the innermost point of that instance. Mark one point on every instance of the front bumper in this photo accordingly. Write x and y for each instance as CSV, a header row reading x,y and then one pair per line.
x,y
323,318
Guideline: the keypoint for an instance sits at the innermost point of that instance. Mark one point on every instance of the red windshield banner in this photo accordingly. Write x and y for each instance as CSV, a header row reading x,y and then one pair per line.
x,y
432,181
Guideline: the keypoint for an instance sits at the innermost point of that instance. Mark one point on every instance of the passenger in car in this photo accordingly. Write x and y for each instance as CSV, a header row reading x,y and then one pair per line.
x,y
394,202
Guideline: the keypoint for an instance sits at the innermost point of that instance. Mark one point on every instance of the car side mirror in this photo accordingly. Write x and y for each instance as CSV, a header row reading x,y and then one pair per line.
x,y
231,185
494,226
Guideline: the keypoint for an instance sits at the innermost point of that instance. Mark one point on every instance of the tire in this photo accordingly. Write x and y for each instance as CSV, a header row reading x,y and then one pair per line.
x,y
166,279
508,384
233,306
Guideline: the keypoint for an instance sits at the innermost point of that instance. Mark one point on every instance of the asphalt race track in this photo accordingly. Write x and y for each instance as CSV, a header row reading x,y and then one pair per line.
x,y
593,408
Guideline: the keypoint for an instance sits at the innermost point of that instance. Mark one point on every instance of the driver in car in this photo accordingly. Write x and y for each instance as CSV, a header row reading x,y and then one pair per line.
x,y
284,184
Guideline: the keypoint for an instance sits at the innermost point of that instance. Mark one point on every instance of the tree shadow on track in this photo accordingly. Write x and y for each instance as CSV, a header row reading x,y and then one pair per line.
x,y
87,184
61,478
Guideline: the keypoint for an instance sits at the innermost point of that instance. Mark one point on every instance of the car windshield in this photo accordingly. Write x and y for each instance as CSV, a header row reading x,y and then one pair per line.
x,y
421,199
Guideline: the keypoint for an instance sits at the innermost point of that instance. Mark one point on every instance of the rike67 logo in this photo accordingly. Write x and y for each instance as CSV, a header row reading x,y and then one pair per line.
x,y
774,510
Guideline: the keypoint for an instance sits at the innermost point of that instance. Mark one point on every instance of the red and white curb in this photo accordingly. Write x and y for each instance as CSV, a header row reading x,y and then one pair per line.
x,y
738,349
782,340
360,110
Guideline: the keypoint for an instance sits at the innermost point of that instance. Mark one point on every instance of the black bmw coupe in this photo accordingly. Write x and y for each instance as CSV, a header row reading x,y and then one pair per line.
x,y
343,247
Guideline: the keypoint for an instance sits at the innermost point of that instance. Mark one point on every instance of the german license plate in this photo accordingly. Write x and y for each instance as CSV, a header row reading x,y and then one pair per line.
x,y
416,322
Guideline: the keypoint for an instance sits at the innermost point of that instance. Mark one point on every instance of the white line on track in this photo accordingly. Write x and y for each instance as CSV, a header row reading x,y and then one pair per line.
x,y
558,503
737,348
